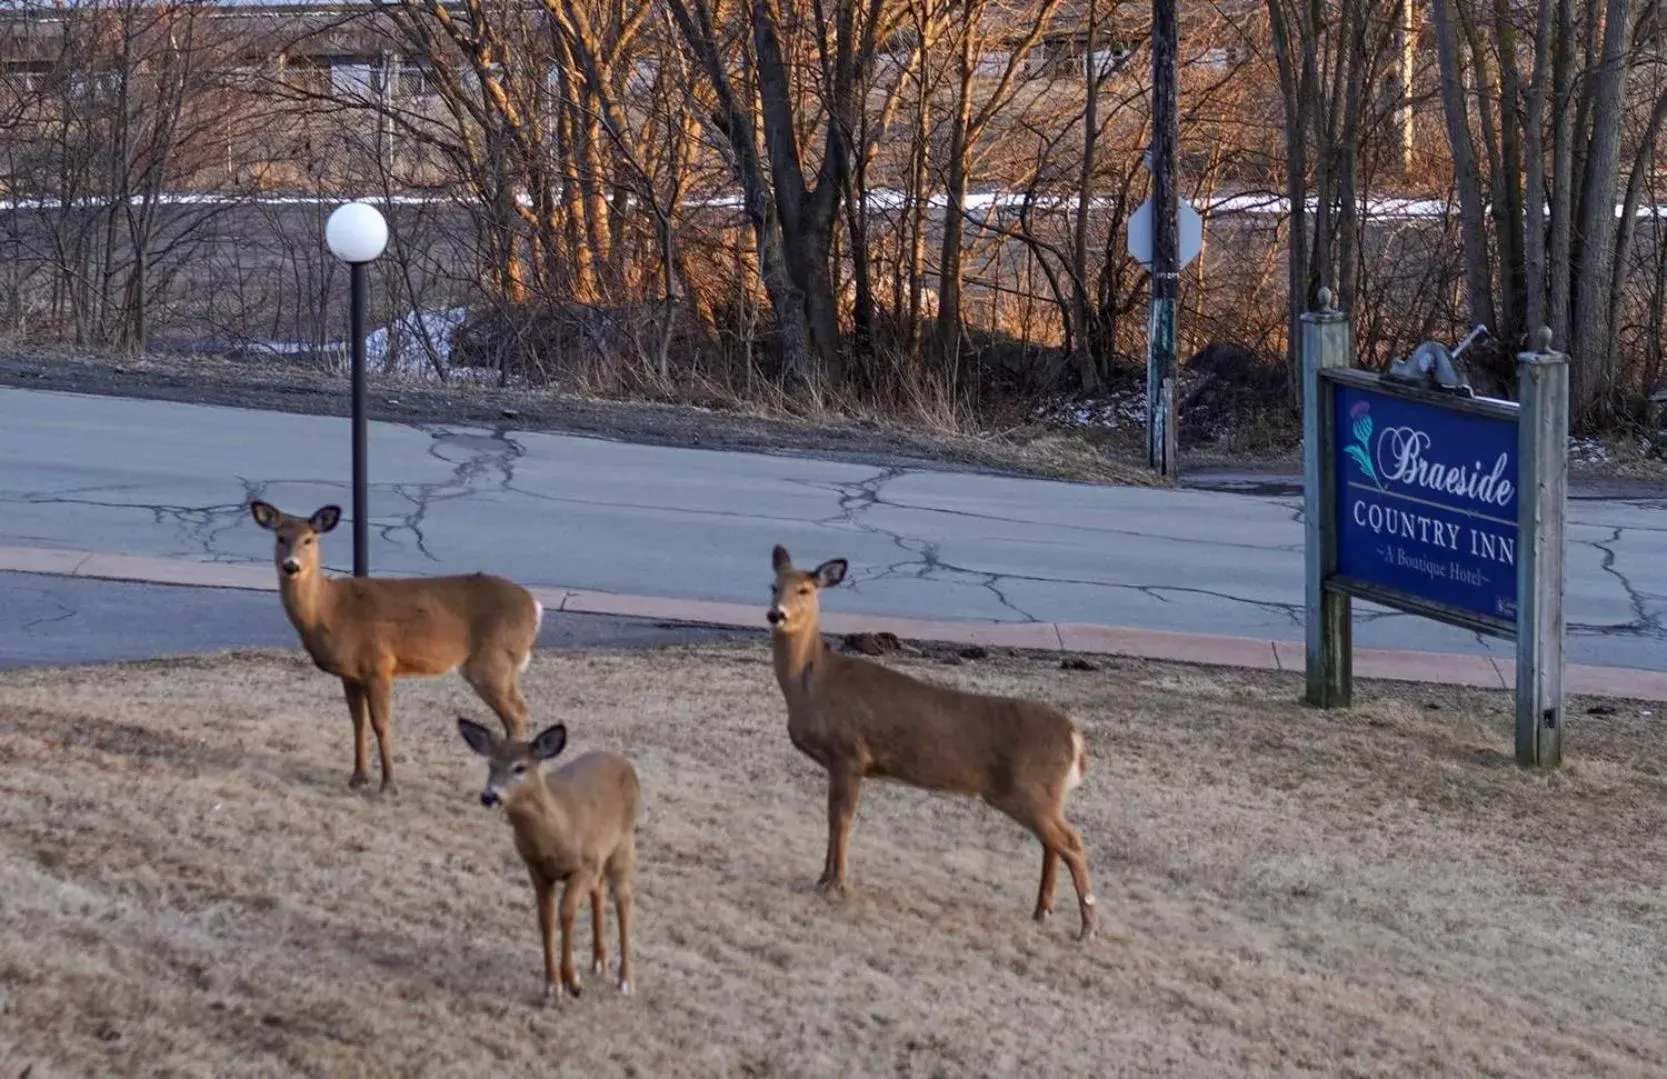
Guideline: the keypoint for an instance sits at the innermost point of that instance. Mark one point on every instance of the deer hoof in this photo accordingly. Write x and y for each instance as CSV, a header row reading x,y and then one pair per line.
x,y
1043,914
357,780
833,889
573,987
600,965
624,987
387,789
551,996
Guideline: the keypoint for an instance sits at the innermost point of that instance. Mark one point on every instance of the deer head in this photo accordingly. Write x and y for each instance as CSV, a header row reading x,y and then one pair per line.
x,y
296,550
510,762
795,594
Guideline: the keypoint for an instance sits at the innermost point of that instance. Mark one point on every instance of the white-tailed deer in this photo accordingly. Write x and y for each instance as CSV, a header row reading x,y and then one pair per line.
x,y
577,828
859,719
367,631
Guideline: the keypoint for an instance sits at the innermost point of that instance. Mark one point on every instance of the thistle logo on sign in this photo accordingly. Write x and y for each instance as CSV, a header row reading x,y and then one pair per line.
x,y
1426,501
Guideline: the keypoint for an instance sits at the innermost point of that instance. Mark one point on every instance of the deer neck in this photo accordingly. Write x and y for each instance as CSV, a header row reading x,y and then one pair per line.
x,y
797,655
534,809
308,600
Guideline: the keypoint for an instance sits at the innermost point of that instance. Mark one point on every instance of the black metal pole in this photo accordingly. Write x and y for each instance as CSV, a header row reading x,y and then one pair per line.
x,y
1166,275
361,511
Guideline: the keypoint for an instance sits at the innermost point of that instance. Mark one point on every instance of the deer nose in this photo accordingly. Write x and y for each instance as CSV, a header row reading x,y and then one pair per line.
x,y
291,567
489,798
775,615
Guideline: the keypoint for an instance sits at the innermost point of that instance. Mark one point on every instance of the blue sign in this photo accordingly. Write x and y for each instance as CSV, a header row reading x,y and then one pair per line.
x,y
1427,501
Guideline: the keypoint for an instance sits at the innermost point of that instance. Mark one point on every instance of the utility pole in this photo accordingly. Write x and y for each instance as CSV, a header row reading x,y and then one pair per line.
x,y
1166,273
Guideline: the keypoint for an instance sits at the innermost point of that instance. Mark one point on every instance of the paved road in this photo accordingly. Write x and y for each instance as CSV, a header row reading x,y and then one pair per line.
x,y
58,621
158,478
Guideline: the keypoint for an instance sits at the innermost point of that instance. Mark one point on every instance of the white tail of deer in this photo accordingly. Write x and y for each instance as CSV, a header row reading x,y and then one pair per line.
x,y
367,631
576,828
860,719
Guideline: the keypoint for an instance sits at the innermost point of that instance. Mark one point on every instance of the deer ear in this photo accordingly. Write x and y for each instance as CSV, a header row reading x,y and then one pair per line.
x,y
780,559
830,572
325,519
550,742
265,514
478,737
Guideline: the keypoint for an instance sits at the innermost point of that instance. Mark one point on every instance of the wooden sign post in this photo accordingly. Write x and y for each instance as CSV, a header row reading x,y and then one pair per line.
x,y
1430,500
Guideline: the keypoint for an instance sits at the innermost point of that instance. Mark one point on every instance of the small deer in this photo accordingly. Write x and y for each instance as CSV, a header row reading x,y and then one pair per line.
x,y
367,631
859,719
577,828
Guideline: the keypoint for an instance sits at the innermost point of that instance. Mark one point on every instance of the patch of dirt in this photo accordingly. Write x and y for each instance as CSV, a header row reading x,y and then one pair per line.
x,y
190,888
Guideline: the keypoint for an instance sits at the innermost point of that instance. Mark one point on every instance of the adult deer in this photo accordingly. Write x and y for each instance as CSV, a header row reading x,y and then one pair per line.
x,y
576,828
859,719
367,631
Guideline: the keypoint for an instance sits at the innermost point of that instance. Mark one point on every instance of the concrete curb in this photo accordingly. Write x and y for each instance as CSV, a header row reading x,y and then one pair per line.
x,y
1428,667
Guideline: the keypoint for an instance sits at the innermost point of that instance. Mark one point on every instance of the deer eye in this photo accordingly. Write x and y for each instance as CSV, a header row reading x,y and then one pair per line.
x,y
519,767
804,590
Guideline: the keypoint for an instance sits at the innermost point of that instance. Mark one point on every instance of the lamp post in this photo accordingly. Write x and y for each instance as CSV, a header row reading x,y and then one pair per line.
x,y
357,234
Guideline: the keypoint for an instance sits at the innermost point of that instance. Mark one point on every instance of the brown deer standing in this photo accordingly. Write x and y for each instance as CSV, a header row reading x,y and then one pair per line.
x,y
576,828
368,631
859,719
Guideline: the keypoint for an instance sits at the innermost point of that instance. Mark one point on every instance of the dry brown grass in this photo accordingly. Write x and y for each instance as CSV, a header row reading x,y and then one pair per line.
x,y
189,887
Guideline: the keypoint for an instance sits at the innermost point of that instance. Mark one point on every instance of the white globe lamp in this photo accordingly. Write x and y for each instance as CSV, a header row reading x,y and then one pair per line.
x,y
356,232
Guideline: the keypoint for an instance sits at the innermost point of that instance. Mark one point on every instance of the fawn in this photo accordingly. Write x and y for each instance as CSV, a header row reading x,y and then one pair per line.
x,y
860,719
577,828
368,631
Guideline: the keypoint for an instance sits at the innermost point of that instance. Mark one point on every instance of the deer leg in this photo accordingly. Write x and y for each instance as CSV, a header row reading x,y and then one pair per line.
x,y
545,891
517,705
495,681
572,895
361,734
621,873
1050,873
844,791
379,693
1061,837
598,943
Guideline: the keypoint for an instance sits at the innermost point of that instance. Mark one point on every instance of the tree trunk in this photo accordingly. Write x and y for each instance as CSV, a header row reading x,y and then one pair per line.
x,y
1294,90
1534,223
955,197
1642,161
1478,273
1592,364
1508,198
1088,370
787,300
1559,284
1348,170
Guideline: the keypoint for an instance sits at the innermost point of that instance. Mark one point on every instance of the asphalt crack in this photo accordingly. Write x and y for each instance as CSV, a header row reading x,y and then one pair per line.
x,y
1643,623
496,457
926,561
30,626
865,494
198,526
